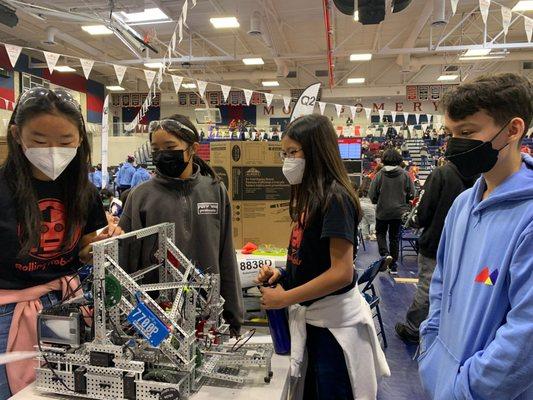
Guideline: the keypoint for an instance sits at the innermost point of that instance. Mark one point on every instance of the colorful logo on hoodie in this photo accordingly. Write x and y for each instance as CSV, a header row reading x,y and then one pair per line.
x,y
486,277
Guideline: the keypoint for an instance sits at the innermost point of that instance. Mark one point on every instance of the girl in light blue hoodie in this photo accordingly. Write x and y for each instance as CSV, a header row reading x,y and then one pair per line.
x,y
477,342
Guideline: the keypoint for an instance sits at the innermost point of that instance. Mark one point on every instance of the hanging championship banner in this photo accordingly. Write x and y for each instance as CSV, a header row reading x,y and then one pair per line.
x,y
51,60
182,99
306,102
484,6
322,107
13,52
87,66
506,19
105,141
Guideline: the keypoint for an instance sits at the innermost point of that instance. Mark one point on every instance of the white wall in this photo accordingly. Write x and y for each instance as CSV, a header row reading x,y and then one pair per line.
x,y
119,148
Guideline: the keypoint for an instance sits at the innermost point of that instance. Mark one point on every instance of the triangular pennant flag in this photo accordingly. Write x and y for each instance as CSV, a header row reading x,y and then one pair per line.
x,y
87,66
393,115
322,107
424,127
180,29
177,82
247,95
201,87
338,108
417,118
184,12
268,98
159,78
484,6
454,6
411,127
405,117
13,52
150,76
381,113
506,19
368,112
173,41
287,102
51,60
193,3
353,111
120,70
225,91
528,25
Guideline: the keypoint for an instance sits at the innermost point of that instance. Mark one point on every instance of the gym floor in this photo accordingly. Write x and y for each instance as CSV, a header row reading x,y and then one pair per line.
x,y
396,297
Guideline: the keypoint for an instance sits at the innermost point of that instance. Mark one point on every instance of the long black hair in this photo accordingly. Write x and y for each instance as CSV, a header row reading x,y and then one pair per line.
x,y
73,181
190,139
325,176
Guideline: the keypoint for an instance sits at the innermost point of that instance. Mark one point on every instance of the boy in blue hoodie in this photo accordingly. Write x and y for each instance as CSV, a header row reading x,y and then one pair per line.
x,y
477,342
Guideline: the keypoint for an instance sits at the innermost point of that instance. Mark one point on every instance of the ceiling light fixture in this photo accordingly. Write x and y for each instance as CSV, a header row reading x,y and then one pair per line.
x,y
355,80
447,77
361,57
189,85
149,14
253,61
64,68
476,52
270,83
524,5
226,22
153,64
97,30
492,57
115,88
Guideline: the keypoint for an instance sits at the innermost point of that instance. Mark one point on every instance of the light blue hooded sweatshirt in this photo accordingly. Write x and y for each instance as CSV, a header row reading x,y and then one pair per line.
x,y
477,342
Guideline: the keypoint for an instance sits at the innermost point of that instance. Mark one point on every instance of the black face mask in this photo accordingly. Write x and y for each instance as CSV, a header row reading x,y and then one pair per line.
x,y
170,163
471,156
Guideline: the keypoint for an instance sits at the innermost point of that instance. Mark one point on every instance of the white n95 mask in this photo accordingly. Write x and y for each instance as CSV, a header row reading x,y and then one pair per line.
x,y
293,169
51,161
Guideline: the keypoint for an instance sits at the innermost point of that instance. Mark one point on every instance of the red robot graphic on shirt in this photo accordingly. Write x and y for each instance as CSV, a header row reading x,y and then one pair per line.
x,y
53,231
296,242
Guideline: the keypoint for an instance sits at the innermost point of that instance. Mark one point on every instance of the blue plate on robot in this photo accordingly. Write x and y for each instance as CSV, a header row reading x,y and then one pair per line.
x,y
148,325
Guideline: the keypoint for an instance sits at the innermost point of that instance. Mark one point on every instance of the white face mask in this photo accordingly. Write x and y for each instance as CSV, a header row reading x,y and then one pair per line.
x,y
51,161
293,169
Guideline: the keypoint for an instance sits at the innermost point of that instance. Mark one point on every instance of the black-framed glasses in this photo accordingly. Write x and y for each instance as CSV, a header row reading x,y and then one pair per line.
x,y
171,125
289,154
39,92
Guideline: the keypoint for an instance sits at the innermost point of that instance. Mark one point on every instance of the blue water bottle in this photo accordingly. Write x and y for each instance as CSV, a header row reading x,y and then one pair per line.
x,y
279,329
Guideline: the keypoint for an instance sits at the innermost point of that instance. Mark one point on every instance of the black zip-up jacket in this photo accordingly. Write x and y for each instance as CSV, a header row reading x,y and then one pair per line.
x,y
441,189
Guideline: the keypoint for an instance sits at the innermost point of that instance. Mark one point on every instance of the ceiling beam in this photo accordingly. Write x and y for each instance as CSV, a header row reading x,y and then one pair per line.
x,y
417,28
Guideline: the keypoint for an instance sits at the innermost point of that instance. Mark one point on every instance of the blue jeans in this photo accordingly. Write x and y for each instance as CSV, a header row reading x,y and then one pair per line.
x,y
327,376
6,314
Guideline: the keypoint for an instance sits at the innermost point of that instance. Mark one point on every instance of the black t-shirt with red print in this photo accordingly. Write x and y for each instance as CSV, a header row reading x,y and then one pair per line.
x,y
50,259
308,255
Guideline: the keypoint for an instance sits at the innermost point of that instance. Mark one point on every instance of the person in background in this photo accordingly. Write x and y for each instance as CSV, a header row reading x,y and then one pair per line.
x,y
97,177
187,192
140,176
441,188
49,215
391,190
476,342
405,150
368,223
91,174
328,315
391,132
275,135
413,170
125,174
424,155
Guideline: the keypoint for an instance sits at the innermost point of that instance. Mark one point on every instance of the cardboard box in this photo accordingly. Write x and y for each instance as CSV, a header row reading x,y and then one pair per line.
x,y
257,188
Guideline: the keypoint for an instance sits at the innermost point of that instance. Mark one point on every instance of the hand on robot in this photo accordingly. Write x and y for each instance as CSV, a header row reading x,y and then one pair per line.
x,y
274,297
268,275
86,254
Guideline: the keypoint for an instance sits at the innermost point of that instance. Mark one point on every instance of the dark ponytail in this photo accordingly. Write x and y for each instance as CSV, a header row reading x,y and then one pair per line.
x,y
205,169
